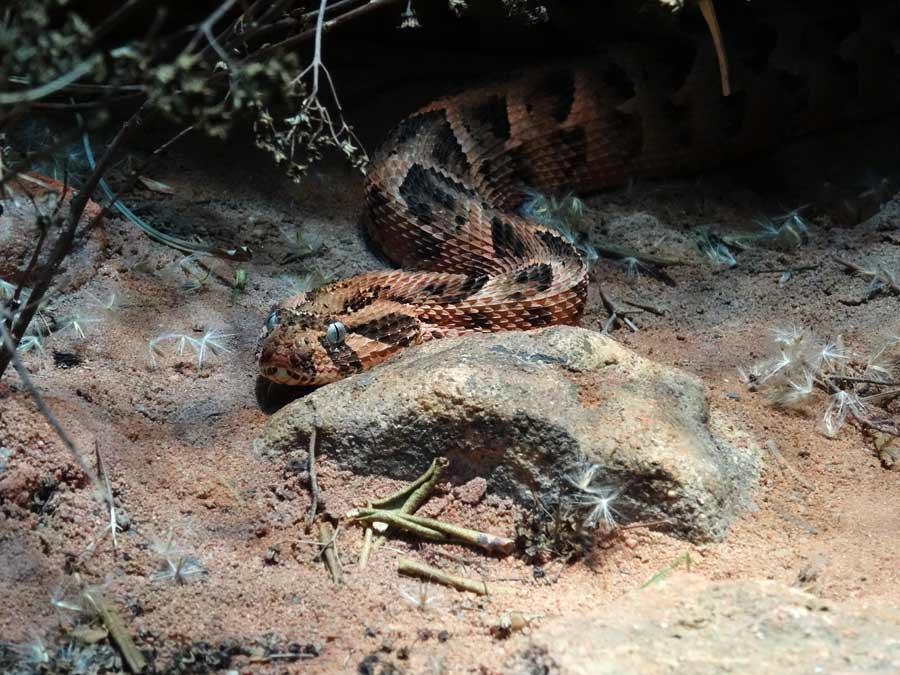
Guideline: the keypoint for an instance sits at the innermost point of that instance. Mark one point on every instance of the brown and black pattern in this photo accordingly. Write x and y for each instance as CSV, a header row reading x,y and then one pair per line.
x,y
443,191
343,358
395,328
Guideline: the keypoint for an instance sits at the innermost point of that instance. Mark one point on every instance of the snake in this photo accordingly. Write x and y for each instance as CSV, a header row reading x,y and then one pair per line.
x,y
445,190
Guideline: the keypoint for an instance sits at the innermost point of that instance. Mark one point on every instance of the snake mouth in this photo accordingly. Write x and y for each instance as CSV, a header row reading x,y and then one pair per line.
x,y
283,376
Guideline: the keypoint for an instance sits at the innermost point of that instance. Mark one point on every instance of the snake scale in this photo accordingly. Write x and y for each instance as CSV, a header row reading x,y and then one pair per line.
x,y
445,189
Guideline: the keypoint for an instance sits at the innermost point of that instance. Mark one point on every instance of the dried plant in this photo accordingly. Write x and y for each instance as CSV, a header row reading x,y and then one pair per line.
x,y
803,370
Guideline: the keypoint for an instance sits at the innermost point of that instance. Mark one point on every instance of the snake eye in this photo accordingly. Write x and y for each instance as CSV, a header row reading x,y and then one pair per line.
x,y
271,321
335,333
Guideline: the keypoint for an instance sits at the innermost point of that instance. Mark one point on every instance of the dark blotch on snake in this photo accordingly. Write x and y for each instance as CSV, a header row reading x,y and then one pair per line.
x,y
540,275
505,241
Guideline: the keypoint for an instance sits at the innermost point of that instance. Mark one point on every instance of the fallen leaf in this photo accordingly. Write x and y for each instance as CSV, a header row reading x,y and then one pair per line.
x,y
156,186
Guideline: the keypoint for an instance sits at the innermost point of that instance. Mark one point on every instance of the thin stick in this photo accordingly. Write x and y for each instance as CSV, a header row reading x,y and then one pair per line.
x,y
366,549
285,24
483,540
420,571
326,539
407,500
862,380
326,26
117,631
41,91
313,484
782,270
396,519
84,105
205,29
436,530
113,521
38,247
616,253
871,274
647,307
853,267
881,397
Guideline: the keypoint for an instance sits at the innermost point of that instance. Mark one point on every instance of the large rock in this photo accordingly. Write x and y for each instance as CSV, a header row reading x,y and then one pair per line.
x,y
688,625
523,410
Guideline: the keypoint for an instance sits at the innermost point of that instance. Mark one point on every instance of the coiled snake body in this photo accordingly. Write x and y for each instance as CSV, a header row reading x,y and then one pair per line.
x,y
444,190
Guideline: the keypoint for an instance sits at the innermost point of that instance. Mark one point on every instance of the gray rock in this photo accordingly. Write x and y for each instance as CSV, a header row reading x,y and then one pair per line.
x,y
524,410
686,625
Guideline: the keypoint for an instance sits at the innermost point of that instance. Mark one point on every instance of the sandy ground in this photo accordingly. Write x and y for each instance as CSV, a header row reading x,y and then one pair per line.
x,y
177,440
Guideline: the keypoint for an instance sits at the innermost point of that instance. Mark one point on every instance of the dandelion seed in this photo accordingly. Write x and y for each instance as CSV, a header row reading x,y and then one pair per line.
x,y
840,405
60,600
109,305
29,342
883,363
180,570
177,564
768,227
422,599
574,206
212,341
78,323
788,335
633,267
833,356
599,501
775,367
720,254
796,391
583,475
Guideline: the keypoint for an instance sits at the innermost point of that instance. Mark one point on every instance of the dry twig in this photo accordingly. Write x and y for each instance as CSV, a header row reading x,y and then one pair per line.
x,y
327,535
313,483
420,571
117,630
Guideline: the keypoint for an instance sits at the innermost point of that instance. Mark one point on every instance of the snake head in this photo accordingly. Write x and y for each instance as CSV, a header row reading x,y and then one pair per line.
x,y
296,345
308,344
